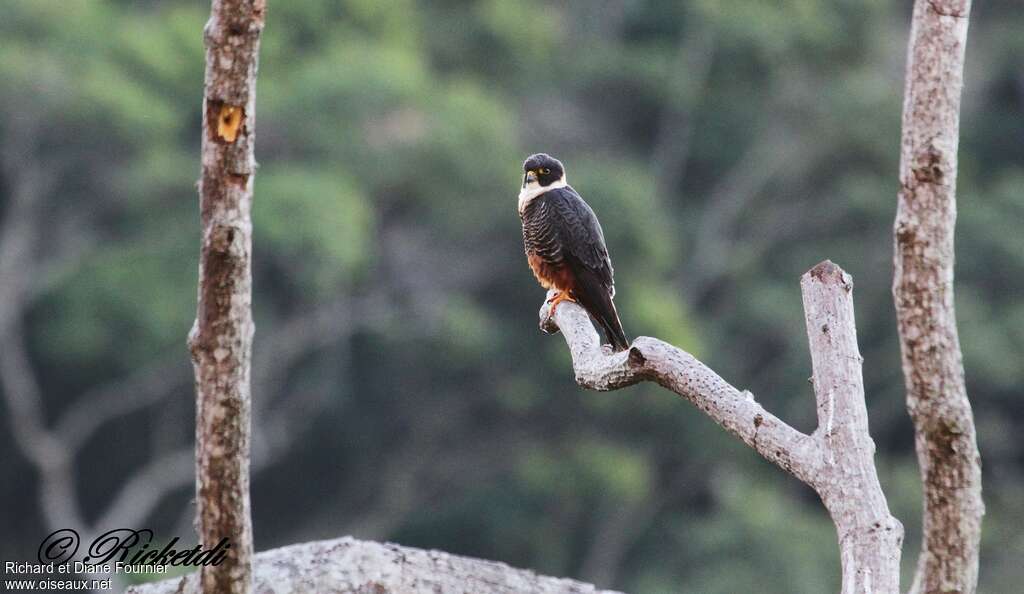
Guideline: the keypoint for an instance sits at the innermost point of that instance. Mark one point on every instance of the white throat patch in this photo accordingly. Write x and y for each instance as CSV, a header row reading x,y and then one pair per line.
x,y
534,189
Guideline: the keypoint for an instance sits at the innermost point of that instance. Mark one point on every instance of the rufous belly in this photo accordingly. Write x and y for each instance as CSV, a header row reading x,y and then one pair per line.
x,y
551,276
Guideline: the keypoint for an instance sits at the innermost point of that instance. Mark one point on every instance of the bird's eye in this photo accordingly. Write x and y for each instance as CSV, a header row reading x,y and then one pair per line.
x,y
545,171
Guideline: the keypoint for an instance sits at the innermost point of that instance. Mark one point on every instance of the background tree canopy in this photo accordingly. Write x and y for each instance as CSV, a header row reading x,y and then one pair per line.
x,y
402,390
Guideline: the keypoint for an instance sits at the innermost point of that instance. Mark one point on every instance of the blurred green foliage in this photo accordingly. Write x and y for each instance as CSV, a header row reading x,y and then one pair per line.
x,y
726,146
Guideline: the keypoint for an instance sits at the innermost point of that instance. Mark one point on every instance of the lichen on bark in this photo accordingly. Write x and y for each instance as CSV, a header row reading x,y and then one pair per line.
x,y
221,338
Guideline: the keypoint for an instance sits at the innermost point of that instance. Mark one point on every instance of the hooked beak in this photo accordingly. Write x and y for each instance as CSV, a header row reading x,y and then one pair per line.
x,y
531,176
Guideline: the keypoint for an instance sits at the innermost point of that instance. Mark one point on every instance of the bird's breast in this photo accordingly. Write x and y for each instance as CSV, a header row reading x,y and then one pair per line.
x,y
541,235
544,250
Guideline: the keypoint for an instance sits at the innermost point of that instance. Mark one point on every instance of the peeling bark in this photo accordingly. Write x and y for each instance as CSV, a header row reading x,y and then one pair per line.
x,y
937,400
349,566
837,460
221,338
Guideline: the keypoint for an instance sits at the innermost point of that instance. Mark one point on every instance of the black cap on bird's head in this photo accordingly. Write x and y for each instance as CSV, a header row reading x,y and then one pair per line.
x,y
543,169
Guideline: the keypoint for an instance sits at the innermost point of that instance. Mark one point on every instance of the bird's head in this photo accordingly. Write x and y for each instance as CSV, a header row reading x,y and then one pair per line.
x,y
543,170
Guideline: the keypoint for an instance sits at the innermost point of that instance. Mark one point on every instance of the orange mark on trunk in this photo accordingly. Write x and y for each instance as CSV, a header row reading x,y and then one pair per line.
x,y
229,121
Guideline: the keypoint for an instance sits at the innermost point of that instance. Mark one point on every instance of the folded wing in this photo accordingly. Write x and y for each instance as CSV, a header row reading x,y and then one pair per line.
x,y
585,253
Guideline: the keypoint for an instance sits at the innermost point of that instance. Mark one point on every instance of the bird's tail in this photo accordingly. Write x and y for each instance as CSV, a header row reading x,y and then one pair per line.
x,y
613,327
595,298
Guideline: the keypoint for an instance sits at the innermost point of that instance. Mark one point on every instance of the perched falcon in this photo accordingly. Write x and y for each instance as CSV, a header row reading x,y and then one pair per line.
x,y
565,244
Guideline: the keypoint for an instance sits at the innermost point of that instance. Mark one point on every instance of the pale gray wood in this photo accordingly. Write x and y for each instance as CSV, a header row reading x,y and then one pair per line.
x,y
349,566
945,437
837,460
870,538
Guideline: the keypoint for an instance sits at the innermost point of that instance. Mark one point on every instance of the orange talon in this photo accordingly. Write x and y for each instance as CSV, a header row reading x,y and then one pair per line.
x,y
554,301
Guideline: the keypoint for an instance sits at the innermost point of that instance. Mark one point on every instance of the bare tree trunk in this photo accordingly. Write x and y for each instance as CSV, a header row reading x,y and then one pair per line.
x,y
837,460
221,339
945,438
870,538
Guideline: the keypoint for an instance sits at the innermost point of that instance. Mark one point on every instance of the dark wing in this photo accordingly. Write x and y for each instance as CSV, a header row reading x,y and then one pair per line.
x,y
581,234
584,251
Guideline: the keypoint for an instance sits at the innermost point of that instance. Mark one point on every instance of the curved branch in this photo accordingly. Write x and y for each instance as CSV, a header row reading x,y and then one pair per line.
x,y
147,487
122,396
650,359
837,460
42,447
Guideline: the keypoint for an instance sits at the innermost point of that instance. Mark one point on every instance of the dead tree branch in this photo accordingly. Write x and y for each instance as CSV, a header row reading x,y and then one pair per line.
x,y
221,339
945,439
142,388
349,566
837,460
